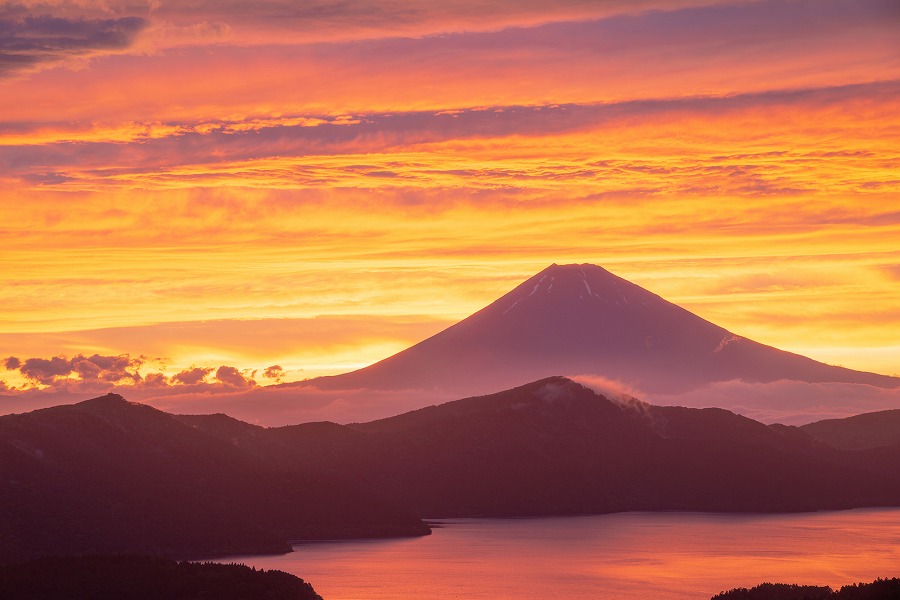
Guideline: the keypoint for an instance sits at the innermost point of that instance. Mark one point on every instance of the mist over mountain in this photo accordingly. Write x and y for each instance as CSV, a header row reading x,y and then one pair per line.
x,y
583,320
107,475
576,320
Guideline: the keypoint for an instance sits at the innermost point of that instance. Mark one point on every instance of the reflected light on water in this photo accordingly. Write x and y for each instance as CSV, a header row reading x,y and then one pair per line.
x,y
666,556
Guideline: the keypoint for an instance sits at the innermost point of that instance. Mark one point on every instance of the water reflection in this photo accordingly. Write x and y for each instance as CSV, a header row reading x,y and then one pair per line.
x,y
666,556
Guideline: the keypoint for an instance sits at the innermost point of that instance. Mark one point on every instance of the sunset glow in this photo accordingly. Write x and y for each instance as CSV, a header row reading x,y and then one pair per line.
x,y
249,185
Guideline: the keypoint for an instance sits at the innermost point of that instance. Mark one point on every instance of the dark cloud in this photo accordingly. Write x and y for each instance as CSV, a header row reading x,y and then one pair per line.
x,y
191,376
87,370
196,144
231,376
50,371
28,40
155,380
44,370
321,20
39,179
275,372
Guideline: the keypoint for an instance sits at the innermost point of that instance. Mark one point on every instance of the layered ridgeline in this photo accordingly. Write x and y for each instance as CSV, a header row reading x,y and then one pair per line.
x,y
556,447
582,319
110,476
107,475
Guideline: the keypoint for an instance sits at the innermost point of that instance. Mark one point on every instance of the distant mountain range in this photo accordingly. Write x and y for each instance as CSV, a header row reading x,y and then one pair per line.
x,y
583,320
107,475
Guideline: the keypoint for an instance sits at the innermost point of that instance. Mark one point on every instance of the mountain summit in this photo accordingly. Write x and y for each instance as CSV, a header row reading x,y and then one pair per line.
x,y
583,320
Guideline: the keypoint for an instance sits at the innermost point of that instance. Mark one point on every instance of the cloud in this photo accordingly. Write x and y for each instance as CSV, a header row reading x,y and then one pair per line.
x,y
787,402
191,376
35,33
275,372
155,380
284,21
609,388
400,147
617,392
50,371
45,370
86,369
231,376
32,40
278,405
60,380
284,349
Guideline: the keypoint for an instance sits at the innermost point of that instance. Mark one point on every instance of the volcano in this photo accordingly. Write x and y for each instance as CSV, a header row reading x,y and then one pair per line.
x,y
583,320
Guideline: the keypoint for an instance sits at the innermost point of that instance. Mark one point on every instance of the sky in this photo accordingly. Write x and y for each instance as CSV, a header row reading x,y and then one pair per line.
x,y
206,196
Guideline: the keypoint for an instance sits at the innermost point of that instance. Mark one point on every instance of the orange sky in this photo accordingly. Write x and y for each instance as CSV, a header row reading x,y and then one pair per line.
x,y
199,184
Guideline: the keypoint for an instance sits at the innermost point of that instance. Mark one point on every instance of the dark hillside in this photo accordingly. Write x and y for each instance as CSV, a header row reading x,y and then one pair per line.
x,y
107,476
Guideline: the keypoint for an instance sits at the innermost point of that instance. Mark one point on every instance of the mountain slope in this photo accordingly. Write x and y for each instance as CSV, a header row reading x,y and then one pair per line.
x,y
860,432
581,319
555,447
108,476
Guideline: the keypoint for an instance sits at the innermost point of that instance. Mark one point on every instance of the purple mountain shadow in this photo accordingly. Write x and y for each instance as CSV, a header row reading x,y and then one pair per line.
x,y
583,320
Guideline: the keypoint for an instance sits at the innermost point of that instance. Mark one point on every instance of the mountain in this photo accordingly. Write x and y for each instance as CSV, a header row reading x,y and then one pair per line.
x,y
583,320
859,432
555,447
107,476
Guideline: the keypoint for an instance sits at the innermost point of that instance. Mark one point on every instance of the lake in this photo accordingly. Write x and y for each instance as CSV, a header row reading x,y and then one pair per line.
x,y
660,556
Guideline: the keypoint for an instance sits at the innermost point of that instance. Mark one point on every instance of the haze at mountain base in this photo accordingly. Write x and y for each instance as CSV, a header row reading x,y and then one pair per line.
x,y
572,320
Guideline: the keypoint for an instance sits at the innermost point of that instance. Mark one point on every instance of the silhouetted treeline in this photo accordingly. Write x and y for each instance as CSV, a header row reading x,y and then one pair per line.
x,y
128,577
880,589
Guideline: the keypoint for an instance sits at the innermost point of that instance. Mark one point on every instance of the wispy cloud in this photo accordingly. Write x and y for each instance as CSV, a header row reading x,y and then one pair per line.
x,y
199,160
30,40
407,148
787,402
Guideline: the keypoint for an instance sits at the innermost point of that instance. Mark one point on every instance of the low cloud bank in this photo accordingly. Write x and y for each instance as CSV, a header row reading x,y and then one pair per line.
x,y
787,402
270,406
89,373
45,382
227,389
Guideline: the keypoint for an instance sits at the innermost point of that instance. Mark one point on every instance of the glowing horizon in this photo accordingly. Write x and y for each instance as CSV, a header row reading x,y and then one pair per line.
x,y
207,185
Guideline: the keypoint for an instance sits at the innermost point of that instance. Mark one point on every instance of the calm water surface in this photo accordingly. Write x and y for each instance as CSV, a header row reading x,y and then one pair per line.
x,y
668,556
